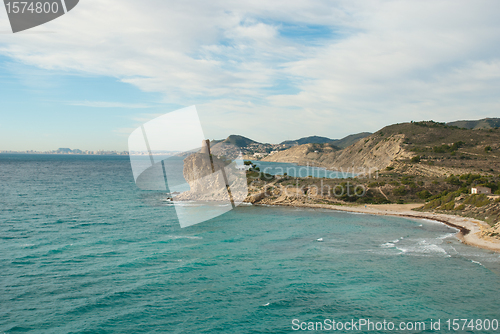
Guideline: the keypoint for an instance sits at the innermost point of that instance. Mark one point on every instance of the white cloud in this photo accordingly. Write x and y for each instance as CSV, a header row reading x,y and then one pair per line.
x,y
385,62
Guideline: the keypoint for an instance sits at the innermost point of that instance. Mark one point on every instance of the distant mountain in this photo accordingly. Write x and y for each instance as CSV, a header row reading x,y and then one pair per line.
x,y
308,140
239,141
351,139
342,143
485,123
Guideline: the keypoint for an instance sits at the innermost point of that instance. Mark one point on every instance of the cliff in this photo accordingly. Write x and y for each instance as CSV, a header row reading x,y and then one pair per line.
x,y
375,152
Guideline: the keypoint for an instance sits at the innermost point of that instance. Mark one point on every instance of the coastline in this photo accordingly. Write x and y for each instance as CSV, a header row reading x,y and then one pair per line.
x,y
469,229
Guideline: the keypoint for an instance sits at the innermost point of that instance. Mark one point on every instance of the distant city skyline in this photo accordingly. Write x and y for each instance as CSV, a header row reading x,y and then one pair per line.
x,y
270,71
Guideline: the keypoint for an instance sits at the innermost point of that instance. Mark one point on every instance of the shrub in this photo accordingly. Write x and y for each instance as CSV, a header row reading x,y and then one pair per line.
x,y
399,191
453,180
477,200
407,179
487,149
433,204
389,168
448,206
424,194
415,159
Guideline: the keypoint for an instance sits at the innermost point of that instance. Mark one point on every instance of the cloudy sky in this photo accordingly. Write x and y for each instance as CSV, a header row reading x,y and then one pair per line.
x,y
269,70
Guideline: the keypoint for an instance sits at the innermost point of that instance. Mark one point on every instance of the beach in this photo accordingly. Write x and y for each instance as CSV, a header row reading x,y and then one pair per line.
x,y
469,229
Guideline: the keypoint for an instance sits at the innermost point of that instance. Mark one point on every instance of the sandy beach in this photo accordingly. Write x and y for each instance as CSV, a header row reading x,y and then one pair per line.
x,y
470,229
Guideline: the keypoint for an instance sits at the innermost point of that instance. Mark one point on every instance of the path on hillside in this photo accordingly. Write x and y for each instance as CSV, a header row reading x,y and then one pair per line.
x,y
380,189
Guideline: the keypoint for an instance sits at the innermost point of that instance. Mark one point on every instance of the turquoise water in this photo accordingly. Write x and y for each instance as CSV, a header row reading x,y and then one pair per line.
x,y
83,250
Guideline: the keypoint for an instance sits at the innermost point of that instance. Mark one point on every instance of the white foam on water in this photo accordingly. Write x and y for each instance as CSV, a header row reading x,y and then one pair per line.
x,y
357,213
477,262
422,247
431,221
446,236
182,237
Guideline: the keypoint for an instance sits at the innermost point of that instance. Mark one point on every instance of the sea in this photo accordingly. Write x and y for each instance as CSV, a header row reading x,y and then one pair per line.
x,y
83,250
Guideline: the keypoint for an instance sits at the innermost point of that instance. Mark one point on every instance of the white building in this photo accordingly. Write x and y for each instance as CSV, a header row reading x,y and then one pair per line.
x,y
480,190
259,155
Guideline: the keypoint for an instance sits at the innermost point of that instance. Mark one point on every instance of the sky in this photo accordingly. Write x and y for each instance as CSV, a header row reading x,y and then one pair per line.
x,y
268,70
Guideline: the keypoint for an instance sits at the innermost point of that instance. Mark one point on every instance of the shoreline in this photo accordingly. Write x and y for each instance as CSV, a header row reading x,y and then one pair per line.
x,y
469,228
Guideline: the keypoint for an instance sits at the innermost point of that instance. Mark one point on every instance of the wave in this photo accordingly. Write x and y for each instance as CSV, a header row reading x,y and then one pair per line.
x,y
477,262
182,237
422,247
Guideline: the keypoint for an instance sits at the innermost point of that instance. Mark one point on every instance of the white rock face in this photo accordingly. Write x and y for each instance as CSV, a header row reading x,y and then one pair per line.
x,y
213,180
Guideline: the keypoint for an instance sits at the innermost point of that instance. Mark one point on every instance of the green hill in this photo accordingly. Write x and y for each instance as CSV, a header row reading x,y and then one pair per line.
x,y
485,123
342,143
239,141
308,140
351,139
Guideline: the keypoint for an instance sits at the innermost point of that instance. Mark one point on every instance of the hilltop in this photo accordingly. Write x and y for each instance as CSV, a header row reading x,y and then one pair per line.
x,y
308,140
485,123
341,143
239,141
351,139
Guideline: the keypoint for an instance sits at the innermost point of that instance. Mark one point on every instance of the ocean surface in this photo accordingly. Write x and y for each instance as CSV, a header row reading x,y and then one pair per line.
x,y
83,250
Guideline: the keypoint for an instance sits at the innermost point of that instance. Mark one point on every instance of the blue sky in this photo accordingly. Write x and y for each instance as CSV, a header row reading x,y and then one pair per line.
x,y
267,70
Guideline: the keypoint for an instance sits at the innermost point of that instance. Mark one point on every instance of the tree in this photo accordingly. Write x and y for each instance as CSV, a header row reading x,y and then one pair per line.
x,y
415,159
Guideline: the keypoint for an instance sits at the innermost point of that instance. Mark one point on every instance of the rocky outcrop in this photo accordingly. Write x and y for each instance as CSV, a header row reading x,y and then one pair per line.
x,y
212,179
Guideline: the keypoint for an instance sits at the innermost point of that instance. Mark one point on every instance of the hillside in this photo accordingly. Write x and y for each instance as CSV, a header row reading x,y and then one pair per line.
x,y
308,140
485,123
374,152
238,141
437,148
351,139
342,143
